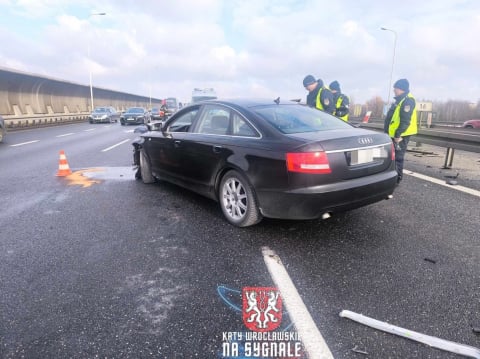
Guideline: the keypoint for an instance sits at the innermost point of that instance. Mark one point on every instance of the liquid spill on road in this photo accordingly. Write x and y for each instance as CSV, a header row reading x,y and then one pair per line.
x,y
89,176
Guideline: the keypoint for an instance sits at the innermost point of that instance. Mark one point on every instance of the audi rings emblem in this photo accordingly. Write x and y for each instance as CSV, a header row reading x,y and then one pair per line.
x,y
365,140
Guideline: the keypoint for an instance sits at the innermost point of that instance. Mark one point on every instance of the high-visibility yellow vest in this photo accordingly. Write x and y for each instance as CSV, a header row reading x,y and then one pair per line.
x,y
318,103
395,121
337,105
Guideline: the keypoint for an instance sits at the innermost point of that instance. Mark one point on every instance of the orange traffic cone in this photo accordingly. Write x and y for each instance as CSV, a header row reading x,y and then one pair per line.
x,y
63,168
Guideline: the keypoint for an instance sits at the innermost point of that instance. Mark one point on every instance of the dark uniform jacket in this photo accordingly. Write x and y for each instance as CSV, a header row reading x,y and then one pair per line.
x,y
343,109
405,114
326,98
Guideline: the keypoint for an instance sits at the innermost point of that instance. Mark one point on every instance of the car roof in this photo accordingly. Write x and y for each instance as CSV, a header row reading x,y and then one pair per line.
x,y
252,102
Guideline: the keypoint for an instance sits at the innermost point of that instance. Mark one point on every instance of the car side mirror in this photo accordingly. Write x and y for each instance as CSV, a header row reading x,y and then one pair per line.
x,y
156,126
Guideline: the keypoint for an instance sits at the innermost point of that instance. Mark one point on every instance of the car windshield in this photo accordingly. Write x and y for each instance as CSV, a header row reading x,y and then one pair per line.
x,y
297,118
135,110
100,110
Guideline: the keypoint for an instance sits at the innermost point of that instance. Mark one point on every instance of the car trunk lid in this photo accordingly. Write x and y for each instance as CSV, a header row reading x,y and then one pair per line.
x,y
355,154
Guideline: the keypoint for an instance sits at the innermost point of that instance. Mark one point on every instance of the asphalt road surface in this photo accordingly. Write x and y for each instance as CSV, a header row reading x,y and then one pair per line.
x,y
99,265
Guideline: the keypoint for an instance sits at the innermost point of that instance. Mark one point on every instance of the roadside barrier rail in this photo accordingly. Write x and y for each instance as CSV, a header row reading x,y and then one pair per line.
x,y
33,121
464,140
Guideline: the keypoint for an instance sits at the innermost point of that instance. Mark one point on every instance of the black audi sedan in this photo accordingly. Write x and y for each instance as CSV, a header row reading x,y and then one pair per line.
x,y
268,158
135,115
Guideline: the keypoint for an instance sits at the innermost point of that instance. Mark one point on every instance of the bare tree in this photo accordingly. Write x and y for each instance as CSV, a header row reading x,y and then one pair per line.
x,y
454,111
376,106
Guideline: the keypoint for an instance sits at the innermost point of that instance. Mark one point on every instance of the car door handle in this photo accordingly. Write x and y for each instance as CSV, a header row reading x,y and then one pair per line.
x,y
217,149
177,143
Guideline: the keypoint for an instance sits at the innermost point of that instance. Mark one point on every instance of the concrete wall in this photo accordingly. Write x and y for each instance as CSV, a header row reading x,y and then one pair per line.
x,y
23,95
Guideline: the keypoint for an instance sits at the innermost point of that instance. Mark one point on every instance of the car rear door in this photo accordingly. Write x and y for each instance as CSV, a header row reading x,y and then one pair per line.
x,y
220,135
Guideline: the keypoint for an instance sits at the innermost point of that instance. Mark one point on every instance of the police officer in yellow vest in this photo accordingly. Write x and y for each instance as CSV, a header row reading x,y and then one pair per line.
x,y
341,101
318,95
401,122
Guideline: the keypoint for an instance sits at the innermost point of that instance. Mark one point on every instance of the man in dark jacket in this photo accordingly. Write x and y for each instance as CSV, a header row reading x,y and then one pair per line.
x,y
341,101
401,122
318,96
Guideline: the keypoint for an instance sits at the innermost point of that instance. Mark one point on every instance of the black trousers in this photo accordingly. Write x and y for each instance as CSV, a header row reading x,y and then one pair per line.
x,y
400,151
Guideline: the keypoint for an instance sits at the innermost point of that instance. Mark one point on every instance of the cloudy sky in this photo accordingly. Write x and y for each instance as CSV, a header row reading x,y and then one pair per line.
x,y
241,48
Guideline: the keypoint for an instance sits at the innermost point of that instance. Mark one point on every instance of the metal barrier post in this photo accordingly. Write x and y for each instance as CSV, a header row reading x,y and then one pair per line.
x,y
449,158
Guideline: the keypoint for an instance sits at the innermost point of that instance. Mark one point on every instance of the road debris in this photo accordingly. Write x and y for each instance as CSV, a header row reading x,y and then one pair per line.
x,y
356,350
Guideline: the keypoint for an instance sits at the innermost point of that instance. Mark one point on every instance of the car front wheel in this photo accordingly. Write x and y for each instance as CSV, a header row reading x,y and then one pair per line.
x,y
145,168
238,201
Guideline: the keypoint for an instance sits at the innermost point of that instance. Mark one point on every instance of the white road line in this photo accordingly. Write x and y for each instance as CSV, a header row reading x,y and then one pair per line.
x,y
66,134
471,191
111,147
24,143
90,129
312,340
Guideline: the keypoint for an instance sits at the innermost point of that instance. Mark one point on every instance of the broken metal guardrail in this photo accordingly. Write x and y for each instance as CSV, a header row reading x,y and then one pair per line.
x,y
431,341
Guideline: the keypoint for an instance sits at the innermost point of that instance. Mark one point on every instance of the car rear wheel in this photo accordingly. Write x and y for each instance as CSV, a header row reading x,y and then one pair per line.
x,y
237,200
145,169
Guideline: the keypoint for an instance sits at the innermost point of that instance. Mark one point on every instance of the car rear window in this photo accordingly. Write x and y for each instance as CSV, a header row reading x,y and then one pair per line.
x,y
299,118
135,110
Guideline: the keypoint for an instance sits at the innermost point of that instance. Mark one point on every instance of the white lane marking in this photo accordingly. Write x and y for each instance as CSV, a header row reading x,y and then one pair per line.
x,y
24,143
128,131
471,191
66,134
311,337
90,129
111,147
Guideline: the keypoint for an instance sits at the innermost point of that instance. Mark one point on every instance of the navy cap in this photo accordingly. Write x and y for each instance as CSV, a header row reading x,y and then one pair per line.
x,y
334,86
308,80
402,84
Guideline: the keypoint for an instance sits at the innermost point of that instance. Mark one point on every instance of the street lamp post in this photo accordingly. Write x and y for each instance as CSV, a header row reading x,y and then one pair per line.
x,y
89,57
393,60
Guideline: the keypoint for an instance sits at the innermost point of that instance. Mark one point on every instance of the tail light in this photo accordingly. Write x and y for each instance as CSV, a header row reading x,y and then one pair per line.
x,y
308,162
393,151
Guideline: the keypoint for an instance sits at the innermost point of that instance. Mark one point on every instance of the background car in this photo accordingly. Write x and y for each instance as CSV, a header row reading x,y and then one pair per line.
x,y
3,129
135,115
104,114
171,105
475,123
269,159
